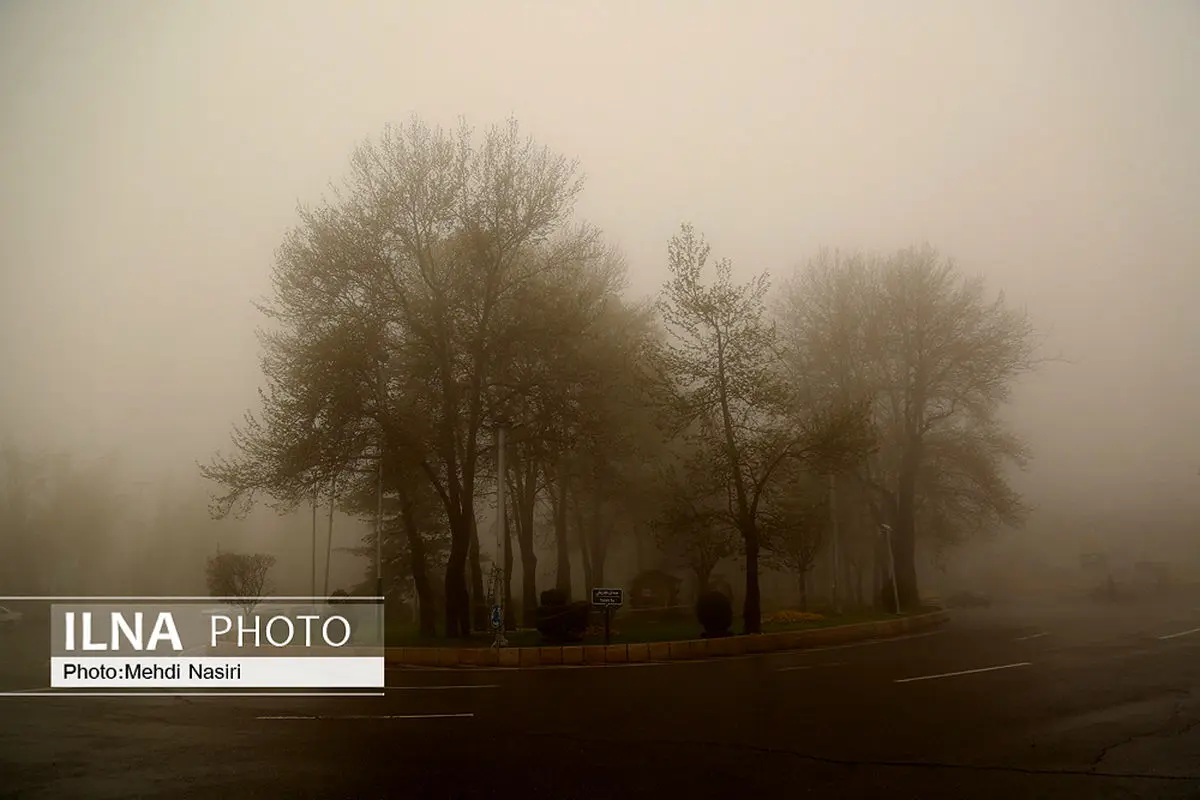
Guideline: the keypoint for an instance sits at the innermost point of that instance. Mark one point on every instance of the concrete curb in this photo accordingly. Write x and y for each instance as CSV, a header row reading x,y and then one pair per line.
x,y
690,649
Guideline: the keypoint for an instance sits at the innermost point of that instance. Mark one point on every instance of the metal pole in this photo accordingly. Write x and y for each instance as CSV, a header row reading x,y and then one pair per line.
x,y
379,528
837,560
379,510
887,530
502,544
313,593
329,538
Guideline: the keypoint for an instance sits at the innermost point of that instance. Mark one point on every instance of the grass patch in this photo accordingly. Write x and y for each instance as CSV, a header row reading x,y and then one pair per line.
x,y
627,629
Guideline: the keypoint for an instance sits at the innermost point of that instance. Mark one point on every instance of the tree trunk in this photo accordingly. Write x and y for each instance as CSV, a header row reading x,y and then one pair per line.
x,y
479,609
704,571
599,548
585,556
458,601
526,495
802,585
562,580
752,605
420,572
510,619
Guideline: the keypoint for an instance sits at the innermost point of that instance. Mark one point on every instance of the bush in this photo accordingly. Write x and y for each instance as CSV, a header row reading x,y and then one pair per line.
x,y
337,596
562,622
715,613
554,597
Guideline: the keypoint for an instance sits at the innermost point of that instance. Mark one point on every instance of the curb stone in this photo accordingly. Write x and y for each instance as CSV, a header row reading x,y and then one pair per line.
x,y
688,649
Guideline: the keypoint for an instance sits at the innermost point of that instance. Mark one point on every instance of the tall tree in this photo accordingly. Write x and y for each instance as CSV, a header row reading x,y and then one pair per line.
x,y
428,268
936,357
724,357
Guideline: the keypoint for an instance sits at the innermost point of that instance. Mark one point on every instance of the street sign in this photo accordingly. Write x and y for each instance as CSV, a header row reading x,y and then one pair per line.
x,y
496,621
608,598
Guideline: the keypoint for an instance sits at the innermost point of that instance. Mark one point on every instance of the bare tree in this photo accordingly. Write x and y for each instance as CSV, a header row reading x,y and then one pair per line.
x,y
239,578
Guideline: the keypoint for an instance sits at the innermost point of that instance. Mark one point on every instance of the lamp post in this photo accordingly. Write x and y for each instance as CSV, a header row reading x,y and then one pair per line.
x,y
885,531
502,543
837,555
329,538
382,387
313,590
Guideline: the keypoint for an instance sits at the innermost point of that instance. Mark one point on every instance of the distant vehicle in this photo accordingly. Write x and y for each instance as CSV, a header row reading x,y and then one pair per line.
x,y
968,599
10,617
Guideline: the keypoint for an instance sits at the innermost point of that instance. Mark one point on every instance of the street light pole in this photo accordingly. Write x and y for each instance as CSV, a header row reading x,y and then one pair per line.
x,y
329,538
379,527
313,593
886,530
502,543
837,556
379,513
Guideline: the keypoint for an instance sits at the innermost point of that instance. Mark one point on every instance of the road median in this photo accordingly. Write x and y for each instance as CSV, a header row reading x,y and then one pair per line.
x,y
681,650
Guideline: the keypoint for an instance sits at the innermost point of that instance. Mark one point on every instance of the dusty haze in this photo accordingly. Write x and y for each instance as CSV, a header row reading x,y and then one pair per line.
x,y
152,154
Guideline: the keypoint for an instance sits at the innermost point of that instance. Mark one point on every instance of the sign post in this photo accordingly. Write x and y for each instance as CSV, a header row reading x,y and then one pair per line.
x,y
608,599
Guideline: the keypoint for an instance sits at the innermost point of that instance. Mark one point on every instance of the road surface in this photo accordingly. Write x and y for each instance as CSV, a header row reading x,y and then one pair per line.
x,y
1083,701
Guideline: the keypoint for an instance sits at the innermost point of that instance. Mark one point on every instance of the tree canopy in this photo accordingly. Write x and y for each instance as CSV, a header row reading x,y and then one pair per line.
x,y
445,289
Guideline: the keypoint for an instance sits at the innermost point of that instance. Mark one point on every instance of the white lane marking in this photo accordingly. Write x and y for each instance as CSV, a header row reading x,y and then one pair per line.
x,y
460,686
811,666
963,672
1181,633
1031,636
366,716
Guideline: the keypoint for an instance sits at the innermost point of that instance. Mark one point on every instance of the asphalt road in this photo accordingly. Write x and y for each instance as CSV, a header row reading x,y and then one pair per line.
x,y
1076,701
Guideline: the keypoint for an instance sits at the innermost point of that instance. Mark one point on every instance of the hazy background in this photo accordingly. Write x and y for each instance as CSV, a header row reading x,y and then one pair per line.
x,y
152,154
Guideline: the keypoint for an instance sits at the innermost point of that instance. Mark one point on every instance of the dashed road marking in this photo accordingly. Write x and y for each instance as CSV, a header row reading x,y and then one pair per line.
x,y
1031,636
1181,633
963,672
274,717
811,666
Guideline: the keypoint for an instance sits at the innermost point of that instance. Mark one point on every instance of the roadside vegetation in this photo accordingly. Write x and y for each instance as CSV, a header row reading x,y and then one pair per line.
x,y
727,426
448,289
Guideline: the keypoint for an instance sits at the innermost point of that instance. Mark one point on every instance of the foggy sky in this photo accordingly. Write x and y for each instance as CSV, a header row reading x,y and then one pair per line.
x,y
152,154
